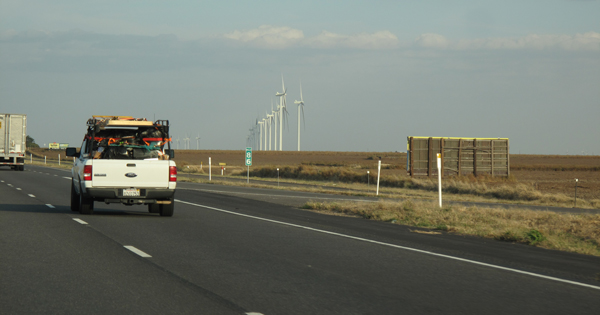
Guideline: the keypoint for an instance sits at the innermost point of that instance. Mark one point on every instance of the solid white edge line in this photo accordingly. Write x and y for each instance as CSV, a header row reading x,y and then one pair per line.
x,y
137,251
79,221
399,247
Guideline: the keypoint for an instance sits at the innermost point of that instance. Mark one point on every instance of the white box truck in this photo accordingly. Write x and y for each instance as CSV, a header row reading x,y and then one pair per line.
x,y
13,140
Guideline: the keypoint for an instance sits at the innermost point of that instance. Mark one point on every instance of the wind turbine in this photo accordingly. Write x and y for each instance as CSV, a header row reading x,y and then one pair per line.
x,y
300,104
187,141
198,142
274,114
282,109
269,123
264,121
260,133
251,137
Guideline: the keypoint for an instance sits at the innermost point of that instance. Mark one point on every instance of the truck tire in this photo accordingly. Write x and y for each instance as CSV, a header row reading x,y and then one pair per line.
x,y
166,210
154,208
86,204
74,198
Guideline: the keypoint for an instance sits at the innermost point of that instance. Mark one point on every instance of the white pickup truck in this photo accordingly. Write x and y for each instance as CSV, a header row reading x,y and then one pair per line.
x,y
124,160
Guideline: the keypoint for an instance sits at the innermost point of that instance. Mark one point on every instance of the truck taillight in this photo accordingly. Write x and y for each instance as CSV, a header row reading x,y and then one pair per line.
x,y
172,173
87,172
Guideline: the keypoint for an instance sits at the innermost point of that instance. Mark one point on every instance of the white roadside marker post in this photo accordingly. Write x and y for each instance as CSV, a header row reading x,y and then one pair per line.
x,y
576,181
59,159
209,169
378,175
439,166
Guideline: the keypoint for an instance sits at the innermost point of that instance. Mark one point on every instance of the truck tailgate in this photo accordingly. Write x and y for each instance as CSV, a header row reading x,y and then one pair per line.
x,y
130,173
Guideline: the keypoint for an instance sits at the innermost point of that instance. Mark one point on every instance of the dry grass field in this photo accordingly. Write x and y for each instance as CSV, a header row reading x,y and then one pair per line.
x,y
549,174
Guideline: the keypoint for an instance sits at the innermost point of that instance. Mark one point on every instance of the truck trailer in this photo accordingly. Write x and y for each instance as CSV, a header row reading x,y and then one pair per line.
x,y
13,140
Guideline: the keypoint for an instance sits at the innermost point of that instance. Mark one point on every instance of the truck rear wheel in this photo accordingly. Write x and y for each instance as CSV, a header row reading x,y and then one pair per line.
x,y
74,198
166,210
86,204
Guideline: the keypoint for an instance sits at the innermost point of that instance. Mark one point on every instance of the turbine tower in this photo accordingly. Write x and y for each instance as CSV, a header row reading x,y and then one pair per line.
x,y
281,108
300,104
270,123
198,142
186,142
264,121
274,113
260,132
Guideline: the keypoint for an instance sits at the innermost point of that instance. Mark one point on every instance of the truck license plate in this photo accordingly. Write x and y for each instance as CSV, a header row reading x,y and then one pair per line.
x,y
131,192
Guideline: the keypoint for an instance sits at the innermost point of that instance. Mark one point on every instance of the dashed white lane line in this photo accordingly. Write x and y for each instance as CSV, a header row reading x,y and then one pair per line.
x,y
137,251
18,188
79,221
9,185
32,196
69,178
50,206
397,246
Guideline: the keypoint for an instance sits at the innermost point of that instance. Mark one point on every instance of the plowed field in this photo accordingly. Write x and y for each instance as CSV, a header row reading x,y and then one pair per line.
x,y
548,173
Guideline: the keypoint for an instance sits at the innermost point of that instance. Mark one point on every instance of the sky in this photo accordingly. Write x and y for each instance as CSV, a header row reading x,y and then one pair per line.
x,y
372,72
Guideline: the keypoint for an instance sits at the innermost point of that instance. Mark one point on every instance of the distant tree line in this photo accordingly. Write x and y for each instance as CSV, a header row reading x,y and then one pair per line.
x,y
31,142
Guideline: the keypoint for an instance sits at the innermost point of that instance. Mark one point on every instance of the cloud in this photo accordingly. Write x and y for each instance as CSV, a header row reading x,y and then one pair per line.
x,y
377,40
430,40
589,41
273,37
268,36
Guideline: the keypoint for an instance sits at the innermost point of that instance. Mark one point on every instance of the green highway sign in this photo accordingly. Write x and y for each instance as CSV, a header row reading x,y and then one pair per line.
x,y
248,156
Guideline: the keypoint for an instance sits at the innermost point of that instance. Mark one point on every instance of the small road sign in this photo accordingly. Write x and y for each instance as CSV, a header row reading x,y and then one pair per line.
x,y
248,156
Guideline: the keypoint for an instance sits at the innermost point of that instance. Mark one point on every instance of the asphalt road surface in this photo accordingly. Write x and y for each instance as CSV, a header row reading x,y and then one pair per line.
x,y
231,250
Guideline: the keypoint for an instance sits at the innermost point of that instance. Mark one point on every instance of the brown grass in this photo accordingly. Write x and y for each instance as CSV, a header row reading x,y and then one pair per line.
x,y
500,188
567,232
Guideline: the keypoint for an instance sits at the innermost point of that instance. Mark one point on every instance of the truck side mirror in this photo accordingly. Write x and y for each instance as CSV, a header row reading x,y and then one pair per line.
x,y
72,152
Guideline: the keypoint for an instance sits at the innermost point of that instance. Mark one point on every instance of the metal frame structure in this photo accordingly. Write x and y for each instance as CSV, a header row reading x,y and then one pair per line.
x,y
460,156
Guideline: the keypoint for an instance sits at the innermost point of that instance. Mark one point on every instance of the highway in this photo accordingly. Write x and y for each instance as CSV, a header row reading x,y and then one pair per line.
x,y
232,250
